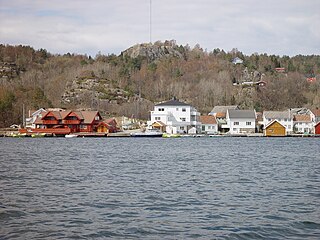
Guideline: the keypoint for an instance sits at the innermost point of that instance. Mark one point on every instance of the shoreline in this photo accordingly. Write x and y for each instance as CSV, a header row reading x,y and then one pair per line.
x,y
125,134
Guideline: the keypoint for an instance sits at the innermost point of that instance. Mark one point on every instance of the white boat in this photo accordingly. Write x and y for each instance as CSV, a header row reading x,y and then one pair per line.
x,y
147,133
71,135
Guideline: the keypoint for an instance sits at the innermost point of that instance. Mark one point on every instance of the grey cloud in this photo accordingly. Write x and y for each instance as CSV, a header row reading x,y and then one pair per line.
x,y
284,27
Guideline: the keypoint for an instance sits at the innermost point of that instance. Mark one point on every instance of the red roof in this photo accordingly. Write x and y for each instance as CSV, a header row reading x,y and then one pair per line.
x,y
208,119
302,118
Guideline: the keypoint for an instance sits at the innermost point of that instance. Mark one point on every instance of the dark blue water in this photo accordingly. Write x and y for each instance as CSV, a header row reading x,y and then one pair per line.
x,y
130,188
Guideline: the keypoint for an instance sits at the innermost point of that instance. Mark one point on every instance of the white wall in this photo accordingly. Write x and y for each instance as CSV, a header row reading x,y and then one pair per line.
x,y
287,123
242,124
177,118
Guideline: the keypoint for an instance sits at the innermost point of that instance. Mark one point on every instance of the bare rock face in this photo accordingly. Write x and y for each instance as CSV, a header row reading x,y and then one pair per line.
x,y
154,51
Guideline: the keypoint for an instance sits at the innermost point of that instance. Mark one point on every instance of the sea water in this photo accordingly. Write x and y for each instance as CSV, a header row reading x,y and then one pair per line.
x,y
139,188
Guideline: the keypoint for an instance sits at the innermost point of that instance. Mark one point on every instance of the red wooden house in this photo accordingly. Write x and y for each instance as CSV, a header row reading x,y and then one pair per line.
x,y
317,128
65,122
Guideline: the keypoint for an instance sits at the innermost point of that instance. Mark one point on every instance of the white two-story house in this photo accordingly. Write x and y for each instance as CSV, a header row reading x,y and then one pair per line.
x,y
175,117
302,124
283,117
241,121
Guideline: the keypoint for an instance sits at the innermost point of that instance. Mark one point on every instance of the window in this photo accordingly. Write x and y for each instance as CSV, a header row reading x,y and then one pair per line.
x,y
157,118
177,109
96,118
183,109
248,123
236,123
181,128
160,109
209,127
203,128
83,126
183,119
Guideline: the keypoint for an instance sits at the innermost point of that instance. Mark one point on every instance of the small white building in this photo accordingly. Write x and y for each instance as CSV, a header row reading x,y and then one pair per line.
x,y
178,117
209,124
283,117
302,124
241,121
237,60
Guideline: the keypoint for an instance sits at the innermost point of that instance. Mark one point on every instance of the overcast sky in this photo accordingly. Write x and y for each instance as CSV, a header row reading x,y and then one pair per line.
x,y
281,27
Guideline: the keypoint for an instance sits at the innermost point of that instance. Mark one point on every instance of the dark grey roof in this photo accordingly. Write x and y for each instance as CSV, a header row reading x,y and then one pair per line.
x,y
241,113
223,109
173,102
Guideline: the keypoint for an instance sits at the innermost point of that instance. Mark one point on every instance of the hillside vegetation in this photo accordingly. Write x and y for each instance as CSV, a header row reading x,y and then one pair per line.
x,y
130,83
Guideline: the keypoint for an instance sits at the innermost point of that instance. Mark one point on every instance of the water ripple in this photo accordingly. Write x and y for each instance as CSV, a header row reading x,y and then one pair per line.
x,y
202,188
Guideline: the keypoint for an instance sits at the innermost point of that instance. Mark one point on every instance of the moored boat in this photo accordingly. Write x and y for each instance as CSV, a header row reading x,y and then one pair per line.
x,y
38,135
71,135
147,133
169,135
18,135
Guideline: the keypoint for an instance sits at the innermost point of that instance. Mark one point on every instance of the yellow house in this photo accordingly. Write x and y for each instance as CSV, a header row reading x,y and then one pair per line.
x,y
275,128
159,125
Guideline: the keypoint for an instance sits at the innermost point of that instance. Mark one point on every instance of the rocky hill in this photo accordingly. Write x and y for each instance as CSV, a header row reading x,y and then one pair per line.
x,y
130,83
155,51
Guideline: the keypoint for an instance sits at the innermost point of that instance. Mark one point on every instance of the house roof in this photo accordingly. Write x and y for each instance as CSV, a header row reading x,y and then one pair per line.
x,y
273,122
277,114
316,112
159,123
223,109
302,118
88,116
295,111
220,115
241,113
208,119
111,121
173,102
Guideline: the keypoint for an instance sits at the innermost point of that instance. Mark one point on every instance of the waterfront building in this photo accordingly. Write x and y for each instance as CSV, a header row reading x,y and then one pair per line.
x,y
240,121
283,117
220,112
315,115
208,124
175,117
302,124
317,129
275,129
66,122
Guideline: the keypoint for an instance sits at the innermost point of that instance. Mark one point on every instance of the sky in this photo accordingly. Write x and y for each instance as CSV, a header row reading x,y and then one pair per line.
x,y
280,27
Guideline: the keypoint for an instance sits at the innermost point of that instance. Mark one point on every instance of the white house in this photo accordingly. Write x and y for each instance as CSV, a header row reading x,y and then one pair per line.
x,y
283,117
315,115
208,124
176,116
220,112
30,121
302,124
33,115
237,60
240,121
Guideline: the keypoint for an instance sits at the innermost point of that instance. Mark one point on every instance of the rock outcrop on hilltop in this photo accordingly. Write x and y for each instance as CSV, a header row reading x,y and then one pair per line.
x,y
155,51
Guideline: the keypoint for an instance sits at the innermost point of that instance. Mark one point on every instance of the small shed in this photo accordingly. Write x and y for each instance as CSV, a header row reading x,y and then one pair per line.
x,y
275,128
317,129
159,125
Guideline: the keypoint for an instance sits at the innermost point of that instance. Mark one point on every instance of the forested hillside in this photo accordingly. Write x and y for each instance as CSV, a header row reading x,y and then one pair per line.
x,y
130,83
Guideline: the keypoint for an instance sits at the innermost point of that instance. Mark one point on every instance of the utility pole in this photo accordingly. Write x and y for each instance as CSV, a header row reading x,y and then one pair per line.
x,y
150,21
23,116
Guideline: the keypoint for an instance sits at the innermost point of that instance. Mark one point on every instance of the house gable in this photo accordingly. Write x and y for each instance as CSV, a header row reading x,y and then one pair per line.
x,y
275,128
